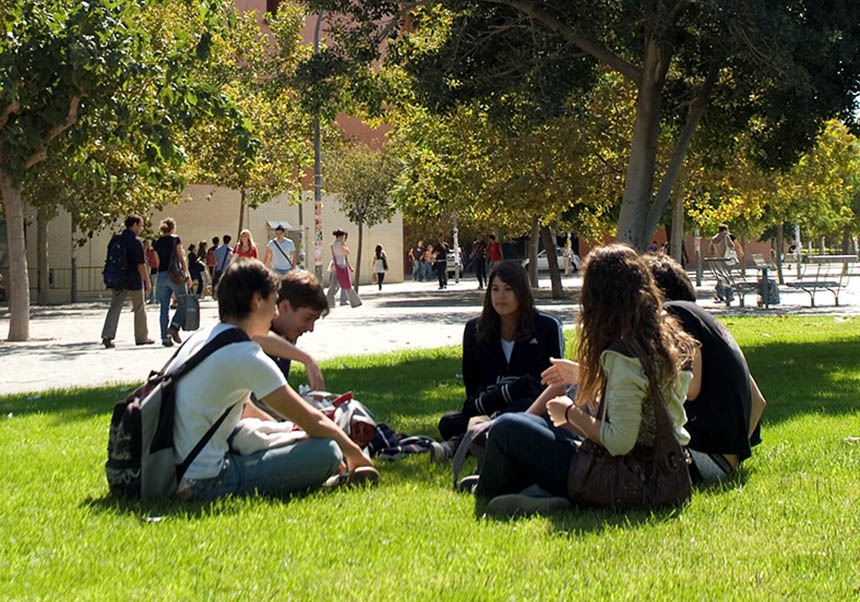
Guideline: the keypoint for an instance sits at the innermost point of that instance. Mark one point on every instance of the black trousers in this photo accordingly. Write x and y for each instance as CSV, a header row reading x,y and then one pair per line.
x,y
441,268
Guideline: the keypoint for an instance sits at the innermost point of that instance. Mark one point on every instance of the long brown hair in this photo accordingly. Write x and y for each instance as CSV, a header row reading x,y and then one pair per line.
x,y
489,324
621,302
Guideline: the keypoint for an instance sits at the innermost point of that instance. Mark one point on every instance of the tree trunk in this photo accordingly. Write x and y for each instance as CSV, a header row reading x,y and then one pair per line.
x,y
43,276
358,256
241,215
19,282
552,262
846,240
639,180
780,244
677,239
534,241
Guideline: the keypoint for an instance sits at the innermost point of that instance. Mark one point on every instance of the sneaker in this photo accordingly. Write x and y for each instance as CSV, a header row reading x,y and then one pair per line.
x,y
444,451
468,484
517,504
363,475
108,343
173,331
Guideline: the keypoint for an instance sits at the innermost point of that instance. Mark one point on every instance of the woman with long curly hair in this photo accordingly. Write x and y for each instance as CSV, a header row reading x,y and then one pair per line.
x,y
630,355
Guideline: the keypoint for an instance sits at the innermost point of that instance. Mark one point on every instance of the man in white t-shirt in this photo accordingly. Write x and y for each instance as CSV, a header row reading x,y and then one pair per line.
x,y
280,252
247,297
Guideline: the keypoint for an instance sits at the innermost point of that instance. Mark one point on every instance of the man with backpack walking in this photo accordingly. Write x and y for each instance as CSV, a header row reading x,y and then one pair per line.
x,y
127,274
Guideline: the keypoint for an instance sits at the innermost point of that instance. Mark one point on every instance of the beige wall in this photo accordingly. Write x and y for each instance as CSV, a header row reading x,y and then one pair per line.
x,y
214,211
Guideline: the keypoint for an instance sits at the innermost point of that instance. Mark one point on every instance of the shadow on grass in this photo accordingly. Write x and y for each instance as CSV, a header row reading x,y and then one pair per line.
x,y
581,520
411,391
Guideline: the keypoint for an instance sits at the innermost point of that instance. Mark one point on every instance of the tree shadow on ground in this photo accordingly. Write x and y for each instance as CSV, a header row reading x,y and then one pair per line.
x,y
416,387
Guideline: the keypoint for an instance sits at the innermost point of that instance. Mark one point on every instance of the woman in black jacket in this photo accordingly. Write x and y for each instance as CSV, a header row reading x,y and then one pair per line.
x,y
505,349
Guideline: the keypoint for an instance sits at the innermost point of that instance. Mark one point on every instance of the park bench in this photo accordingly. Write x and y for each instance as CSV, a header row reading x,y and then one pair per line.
x,y
729,277
827,272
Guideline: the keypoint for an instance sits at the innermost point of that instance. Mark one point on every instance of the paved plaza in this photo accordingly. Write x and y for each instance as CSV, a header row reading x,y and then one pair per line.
x,y
65,348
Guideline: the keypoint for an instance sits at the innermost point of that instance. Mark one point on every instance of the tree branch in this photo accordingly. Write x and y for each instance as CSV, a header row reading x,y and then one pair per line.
x,y
12,107
71,118
694,116
588,45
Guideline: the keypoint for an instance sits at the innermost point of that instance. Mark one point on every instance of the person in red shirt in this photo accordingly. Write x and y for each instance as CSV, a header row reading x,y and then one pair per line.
x,y
152,262
245,247
495,256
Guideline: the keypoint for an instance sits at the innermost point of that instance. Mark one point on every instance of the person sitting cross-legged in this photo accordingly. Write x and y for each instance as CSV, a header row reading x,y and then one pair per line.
x,y
247,300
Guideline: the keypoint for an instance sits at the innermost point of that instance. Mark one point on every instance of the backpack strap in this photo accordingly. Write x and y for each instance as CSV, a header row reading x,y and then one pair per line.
x,y
181,468
163,436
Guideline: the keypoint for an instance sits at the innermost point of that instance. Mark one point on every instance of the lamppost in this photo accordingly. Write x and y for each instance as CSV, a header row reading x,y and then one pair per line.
x,y
318,235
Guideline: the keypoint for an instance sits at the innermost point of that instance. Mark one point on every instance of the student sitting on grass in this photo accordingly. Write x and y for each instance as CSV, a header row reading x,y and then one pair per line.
x,y
505,349
724,404
247,296
627,346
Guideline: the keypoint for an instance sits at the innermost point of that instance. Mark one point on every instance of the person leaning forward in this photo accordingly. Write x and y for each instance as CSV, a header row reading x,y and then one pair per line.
x,y
247,300
137,287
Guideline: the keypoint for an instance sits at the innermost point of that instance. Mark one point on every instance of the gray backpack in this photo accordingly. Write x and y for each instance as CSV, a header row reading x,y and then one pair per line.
x,y
141,463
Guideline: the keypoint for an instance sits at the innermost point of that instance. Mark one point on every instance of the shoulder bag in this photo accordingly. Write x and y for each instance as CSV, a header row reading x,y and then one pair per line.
x,y
645,477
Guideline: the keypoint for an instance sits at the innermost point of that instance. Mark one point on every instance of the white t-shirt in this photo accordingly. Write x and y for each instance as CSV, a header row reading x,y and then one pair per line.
x,y
338,254
224,379
281,261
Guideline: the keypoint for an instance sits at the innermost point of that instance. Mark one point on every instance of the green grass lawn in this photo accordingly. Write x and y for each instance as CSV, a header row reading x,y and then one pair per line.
x,y
787,527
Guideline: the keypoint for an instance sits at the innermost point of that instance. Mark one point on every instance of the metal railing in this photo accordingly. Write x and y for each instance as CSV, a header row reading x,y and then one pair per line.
x,y
89,279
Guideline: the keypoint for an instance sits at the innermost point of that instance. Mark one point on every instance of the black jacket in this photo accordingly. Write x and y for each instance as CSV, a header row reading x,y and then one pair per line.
x,y
485,363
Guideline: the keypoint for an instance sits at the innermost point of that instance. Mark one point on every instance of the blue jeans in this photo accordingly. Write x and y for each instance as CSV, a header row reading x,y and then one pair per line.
x,y
524,450
166,286
279,470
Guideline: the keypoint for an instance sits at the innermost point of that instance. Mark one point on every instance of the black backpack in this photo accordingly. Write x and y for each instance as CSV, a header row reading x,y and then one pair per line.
x,y
141,462
116,264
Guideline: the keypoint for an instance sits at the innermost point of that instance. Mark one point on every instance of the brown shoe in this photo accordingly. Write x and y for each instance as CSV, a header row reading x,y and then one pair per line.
x,y
146,342
108,343
173,331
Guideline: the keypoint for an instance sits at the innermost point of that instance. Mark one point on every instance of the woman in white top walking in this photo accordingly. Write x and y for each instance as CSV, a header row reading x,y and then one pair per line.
x,y
379,265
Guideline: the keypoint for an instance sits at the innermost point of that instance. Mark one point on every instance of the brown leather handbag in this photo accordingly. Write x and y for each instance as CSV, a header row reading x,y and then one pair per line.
x,y
645,477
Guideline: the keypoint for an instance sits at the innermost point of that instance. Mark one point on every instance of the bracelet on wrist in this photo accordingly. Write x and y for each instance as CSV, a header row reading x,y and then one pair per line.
x,y
566,410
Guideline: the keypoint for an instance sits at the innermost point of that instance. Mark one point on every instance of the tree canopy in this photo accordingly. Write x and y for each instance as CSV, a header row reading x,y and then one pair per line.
x,y
777,70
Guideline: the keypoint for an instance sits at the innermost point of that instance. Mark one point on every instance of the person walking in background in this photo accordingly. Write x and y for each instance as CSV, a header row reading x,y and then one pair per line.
x,y
427,262
280,252
165,246
210,258
202,254
724,244
245,248
416,255
137,286
567,258
342,269
379,265
440,256
479,259
196,267
223,254
152,262
495,255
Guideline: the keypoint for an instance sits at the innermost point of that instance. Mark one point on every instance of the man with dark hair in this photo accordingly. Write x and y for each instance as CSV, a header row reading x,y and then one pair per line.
x,y
301,302
724,404
137,287
224,381
223,254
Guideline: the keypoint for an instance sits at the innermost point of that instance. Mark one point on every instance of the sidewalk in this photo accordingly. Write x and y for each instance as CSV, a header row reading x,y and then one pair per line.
x,y
65,348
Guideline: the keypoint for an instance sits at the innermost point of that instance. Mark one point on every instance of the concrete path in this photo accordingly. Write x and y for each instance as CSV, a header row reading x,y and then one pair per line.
x,y
65,348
